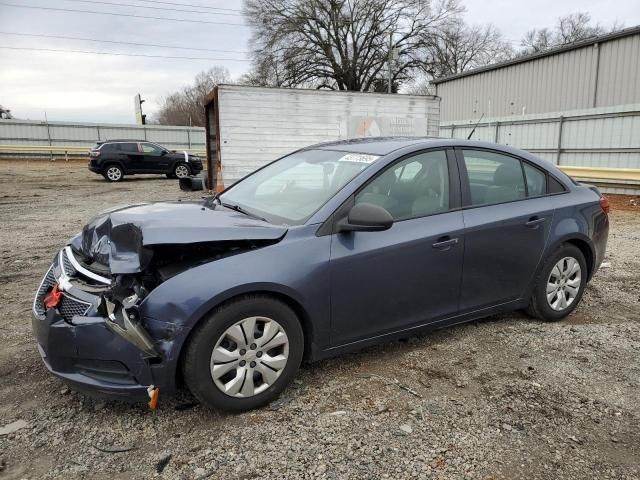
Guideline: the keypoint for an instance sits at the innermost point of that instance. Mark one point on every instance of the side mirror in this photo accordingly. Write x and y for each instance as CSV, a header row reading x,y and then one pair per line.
x,y
193,184
366,217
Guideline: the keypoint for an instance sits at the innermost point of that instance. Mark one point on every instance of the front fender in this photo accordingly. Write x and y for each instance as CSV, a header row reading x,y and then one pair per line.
x,y
296,268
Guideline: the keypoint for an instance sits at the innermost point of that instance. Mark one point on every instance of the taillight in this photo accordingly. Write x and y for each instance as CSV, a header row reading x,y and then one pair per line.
x,y
604,204
94,153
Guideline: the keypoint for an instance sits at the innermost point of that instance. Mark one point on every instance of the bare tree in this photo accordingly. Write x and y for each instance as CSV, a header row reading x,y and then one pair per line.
x,y
186,107
568,29
343,44
459,47
268,72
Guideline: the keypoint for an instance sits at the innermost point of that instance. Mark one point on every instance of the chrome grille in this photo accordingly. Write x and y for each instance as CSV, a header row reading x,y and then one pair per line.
x,y
45,285
69,307
68,268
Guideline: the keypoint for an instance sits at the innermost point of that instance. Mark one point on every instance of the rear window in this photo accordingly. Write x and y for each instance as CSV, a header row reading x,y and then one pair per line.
x,y
126,147
96,146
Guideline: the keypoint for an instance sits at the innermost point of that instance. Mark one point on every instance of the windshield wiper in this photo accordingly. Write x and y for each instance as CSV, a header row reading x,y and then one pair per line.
x,y
239,209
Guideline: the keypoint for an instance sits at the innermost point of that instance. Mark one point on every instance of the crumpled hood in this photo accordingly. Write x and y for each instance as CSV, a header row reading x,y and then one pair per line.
x,y
120,238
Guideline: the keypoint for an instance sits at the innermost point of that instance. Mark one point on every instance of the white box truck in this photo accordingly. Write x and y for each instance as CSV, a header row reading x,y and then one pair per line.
x,y
247,127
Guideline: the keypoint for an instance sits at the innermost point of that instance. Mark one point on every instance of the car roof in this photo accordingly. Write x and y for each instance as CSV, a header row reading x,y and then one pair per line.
x,y
117,140
370,145
385,145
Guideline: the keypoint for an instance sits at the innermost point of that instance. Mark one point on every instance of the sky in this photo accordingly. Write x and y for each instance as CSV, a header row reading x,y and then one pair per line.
x,y
100,88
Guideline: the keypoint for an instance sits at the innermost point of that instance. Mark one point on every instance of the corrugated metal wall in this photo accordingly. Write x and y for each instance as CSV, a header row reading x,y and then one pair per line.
x,y
605,137
567,80
28,132
259,125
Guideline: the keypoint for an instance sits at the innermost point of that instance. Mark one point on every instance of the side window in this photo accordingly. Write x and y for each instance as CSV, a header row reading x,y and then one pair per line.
x,y
150,148
128,147
416,187
536,180
493,178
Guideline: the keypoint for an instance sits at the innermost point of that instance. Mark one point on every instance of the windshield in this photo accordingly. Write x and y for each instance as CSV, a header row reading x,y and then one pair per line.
x,y
292,189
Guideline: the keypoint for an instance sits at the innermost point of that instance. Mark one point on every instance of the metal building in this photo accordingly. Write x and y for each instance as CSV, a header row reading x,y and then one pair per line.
x,y
602,71
577,106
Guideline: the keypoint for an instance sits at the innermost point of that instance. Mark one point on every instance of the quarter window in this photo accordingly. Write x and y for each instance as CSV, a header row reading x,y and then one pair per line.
x,y
415,187
493,178
536,181
555,186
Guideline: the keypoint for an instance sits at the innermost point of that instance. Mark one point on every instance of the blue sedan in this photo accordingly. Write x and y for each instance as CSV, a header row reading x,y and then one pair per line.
x,y
329,249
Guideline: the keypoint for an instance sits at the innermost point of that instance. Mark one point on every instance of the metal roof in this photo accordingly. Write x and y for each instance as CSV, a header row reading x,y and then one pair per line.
x,y
626,32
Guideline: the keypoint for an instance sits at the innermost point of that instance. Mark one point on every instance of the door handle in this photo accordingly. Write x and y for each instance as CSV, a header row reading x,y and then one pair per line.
x,y
534,222
445,243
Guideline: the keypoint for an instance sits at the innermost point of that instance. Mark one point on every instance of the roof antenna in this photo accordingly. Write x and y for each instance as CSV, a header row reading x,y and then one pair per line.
x,y
475,126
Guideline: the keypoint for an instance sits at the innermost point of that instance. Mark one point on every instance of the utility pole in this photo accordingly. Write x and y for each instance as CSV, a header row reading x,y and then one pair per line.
x,y
137,105
390,60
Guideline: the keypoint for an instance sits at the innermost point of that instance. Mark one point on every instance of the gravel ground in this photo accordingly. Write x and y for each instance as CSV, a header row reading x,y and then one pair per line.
x,y
508,397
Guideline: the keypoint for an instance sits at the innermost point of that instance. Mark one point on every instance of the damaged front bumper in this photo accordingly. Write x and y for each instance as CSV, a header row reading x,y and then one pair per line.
x,y
96,344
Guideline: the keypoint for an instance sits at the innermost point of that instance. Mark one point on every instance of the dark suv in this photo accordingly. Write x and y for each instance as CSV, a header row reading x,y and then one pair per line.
x,y
114,159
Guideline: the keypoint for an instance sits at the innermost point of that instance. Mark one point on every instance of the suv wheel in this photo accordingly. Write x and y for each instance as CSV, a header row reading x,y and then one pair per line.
x,y
113,173
560,285
244,354
181,170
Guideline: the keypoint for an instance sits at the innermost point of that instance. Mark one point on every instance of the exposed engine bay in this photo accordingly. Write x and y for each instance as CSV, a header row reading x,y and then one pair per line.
x,y
120,257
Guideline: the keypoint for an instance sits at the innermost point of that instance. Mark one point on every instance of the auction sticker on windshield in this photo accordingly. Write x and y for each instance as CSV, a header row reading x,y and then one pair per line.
x,y
358,158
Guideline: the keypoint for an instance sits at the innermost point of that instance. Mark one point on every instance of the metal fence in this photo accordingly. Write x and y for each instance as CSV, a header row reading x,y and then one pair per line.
x,y
601,145
20,138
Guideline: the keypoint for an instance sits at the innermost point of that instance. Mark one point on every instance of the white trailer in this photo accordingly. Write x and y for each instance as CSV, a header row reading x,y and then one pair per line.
x,y
247,127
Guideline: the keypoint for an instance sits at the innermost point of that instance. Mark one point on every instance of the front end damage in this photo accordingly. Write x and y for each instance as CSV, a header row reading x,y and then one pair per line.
x,y
88,312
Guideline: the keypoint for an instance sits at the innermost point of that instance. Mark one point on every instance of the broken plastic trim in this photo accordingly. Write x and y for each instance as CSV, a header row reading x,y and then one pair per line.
x,y
122,320
81,269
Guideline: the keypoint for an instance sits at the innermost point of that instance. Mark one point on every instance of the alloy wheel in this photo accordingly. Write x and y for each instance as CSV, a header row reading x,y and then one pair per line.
x,y
182,171
249,357
563,283
114,174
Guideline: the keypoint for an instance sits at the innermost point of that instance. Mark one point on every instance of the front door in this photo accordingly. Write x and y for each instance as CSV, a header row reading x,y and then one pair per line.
x,y
507,222
155,158
409,275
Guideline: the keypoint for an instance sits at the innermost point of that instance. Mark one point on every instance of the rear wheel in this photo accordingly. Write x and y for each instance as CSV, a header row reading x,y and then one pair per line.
x,y
113,173
244,354
560,285
181,170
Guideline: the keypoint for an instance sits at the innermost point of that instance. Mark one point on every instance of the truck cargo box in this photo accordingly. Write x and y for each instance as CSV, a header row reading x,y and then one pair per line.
x,y
247,127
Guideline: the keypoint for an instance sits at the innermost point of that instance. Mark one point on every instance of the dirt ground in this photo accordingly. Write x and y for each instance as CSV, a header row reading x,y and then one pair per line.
x,y
505,398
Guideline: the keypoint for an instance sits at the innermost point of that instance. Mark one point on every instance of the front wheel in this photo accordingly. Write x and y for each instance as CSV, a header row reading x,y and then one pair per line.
x,y
560,285
244,354
181,171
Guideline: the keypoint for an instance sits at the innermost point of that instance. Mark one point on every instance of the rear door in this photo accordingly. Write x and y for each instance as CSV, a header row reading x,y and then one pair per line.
x,y
507,221
409,275
131,156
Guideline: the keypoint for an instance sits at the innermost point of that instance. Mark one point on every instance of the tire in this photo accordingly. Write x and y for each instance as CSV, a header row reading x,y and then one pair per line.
x,y
181,170
559,270
230,391
113,173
